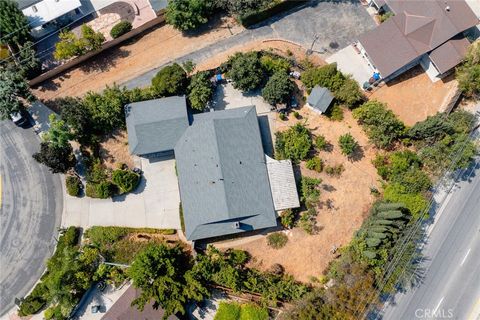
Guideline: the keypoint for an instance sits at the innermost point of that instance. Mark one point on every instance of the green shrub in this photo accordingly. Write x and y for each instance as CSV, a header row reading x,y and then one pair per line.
x,y
278,89
250,19
120,29
228,311
273,65
74,185
296,115
32,304
250,311
321,143
102,190
245,70
309,189
381,125
308,219
415,202
348,144
335,113
315,164
200,90
287,218
125,180
294,143
170,81
277,240
282,116
335,170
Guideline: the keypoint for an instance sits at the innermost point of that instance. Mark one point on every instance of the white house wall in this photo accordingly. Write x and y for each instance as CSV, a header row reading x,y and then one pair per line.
x,y
48,10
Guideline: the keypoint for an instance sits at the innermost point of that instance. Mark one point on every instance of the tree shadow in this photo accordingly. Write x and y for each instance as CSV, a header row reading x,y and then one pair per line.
x,y
104,61
328,187
357,154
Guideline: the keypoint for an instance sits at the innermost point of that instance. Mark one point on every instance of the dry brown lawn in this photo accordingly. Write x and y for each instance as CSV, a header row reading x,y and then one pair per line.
x,y
114,150
349,199
413,97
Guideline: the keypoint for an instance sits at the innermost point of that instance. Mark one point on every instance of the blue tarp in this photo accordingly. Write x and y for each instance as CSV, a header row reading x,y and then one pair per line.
x,y
219,77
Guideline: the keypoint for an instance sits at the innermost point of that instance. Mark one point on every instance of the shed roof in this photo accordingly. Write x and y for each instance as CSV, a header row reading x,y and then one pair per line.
x,y
282,184
417,28
449,54
320,98
156,125
222,175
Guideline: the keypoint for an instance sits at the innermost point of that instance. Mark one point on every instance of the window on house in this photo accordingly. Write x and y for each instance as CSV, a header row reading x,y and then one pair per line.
x,y
34,9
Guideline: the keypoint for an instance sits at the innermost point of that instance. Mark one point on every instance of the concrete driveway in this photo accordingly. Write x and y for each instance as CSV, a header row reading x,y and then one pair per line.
x,y
350,62
154,204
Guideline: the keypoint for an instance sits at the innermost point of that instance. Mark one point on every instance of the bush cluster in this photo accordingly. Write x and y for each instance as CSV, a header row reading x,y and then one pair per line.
x,y
70,46
294,143
315,164
120,29
74,185
277,240
125,180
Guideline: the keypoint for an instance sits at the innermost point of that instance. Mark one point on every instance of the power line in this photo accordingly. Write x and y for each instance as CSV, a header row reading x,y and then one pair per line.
x,y
413,230
55,32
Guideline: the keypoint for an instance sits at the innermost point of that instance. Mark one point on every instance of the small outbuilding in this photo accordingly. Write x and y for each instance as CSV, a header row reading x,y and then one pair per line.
x,y
320,99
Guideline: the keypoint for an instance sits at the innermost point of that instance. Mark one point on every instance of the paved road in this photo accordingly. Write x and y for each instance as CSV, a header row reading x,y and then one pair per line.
x,y
340,22
31,208
451,286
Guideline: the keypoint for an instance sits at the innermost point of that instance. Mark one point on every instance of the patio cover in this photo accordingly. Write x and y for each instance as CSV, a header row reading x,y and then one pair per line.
x,y
282,184
449,54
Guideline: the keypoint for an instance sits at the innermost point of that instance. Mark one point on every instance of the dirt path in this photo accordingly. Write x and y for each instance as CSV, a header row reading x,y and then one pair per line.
x,y
132,59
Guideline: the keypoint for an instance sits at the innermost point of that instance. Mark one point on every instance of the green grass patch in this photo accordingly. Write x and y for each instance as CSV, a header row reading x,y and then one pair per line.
x,y
237,311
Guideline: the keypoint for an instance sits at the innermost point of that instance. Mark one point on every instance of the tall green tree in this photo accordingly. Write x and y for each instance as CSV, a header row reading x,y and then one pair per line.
x,y
160,272
169,81
187,14
294,143
14,27
59,133
106,109
347,144
200,90
58,159
77,117
278,89
29,63
468,73
13,91
245,71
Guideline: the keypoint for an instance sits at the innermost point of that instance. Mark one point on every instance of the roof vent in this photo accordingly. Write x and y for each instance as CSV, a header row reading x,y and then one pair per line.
x,y
236,225
447,8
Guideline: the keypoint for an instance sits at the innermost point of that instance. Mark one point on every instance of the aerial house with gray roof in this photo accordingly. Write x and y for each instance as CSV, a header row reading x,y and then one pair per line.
x,y
227,184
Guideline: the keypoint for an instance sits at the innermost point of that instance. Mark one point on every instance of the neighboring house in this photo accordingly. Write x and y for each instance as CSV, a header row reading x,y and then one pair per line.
x,y
44,15
426,32
227,184
319,99
47,16
122,309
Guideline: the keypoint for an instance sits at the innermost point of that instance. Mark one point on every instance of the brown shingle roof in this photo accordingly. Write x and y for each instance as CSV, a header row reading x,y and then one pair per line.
x,y
122,309
417,28
449,54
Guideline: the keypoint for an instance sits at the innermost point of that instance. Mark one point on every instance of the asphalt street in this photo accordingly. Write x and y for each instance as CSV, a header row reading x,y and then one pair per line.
x,y
335,24
31,209
451,285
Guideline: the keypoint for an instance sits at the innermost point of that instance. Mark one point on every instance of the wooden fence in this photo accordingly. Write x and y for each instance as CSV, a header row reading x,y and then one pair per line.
x,y
107,45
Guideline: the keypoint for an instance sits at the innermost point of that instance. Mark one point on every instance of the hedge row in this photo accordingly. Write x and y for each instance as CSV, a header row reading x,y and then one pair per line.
x,y
250,19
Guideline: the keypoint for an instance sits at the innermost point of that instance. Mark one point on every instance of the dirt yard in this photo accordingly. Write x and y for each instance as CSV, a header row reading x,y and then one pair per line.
x,y
413,97
281,47
132,59
114,150
344,203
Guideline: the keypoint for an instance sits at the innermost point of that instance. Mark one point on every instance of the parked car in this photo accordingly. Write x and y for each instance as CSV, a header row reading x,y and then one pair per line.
x,y
19,118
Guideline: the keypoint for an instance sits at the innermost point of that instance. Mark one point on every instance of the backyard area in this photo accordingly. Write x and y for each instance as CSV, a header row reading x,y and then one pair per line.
x,y
340,211
413,97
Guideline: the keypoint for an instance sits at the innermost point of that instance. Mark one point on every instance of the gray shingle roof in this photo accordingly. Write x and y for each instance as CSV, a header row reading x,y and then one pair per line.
x,y
222,175
156,125
282,184
320,98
